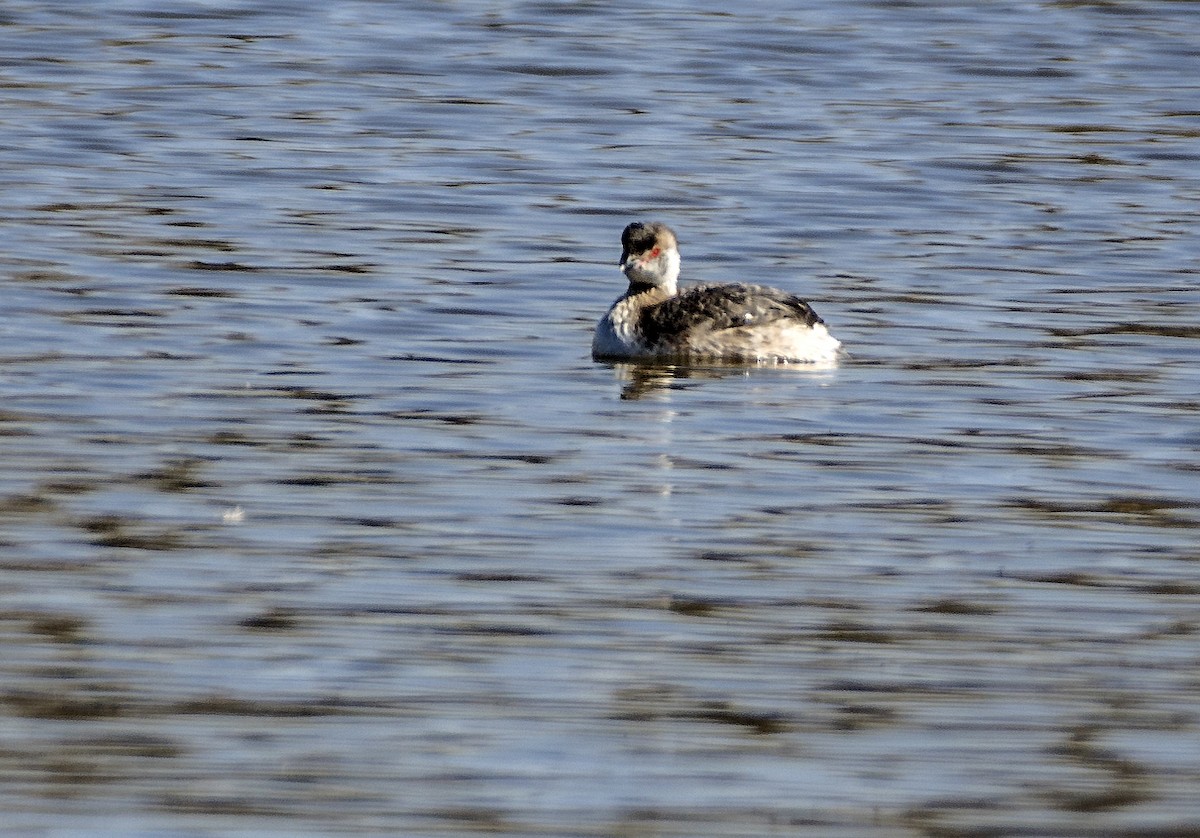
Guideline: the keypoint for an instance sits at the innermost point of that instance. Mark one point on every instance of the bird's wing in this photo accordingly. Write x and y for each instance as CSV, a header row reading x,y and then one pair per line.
x,y
712,308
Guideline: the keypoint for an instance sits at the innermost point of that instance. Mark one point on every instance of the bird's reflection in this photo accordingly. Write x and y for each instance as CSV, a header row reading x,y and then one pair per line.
x,y
656,380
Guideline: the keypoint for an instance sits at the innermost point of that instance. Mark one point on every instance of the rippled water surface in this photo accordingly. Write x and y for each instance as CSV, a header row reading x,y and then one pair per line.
x,y
316,516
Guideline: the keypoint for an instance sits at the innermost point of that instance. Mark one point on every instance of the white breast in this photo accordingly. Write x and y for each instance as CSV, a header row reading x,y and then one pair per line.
x,y
615,334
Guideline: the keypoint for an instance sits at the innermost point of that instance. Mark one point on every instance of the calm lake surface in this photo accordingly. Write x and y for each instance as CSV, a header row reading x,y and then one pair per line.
x,y
317,518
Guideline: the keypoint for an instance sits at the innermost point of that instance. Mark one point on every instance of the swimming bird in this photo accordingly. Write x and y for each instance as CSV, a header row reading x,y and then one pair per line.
x,y
654,320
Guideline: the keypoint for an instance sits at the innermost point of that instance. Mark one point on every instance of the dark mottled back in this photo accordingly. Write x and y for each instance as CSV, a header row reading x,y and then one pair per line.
x,y
712,308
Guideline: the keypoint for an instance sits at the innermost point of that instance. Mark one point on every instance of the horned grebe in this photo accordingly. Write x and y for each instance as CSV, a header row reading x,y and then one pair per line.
x,y
653,320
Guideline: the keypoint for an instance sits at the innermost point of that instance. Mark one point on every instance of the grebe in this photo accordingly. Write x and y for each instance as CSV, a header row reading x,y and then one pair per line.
x,y
653,320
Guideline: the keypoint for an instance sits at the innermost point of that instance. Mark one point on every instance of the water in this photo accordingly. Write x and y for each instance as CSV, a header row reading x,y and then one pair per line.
x,y
317,518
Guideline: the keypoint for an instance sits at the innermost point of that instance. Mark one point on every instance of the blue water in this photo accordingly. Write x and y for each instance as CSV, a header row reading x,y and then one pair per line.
x,y
316,516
